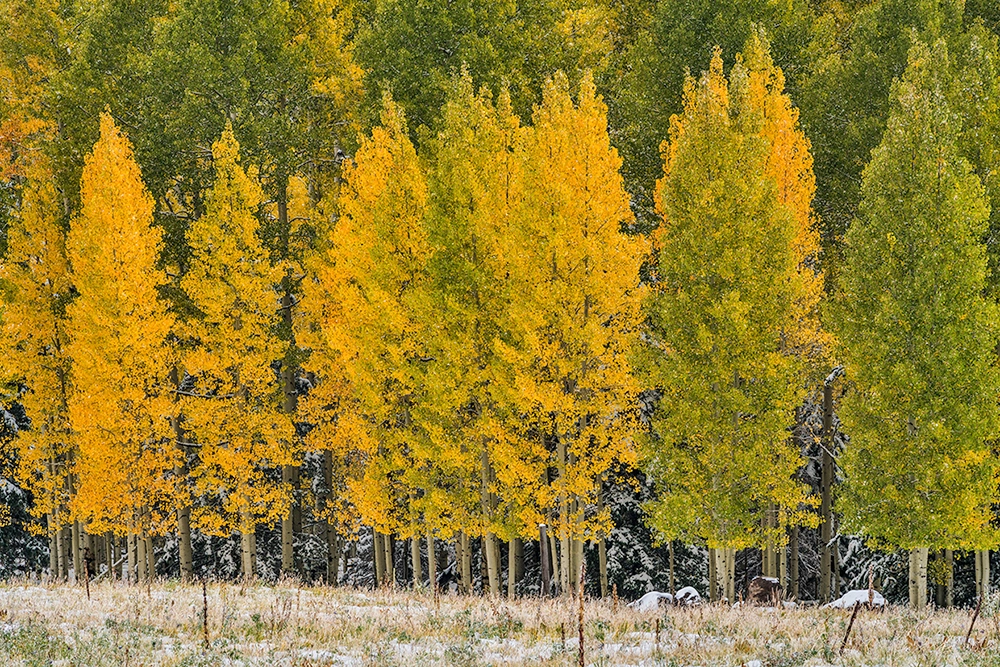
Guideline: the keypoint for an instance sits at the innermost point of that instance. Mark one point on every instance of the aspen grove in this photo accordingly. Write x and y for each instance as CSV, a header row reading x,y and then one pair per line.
x,y
323,289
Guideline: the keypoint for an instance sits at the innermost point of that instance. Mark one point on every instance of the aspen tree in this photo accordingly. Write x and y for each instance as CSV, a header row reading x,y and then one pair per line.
x,y
363,289
232,408
789,162
475,467
919,338
728,290
122,404
577,310
34,337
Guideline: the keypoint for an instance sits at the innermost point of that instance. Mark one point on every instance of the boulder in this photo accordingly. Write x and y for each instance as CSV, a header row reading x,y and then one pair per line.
x,y
764,590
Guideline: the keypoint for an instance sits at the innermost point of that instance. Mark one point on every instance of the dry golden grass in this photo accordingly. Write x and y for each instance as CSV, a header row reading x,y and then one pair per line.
x,y
289,625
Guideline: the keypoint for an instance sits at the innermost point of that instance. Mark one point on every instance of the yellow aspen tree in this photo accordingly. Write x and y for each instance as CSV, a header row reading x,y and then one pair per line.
x,y
575,274
727,289
759,92
789,162
34,338
122,405
362,291
470,467
231,402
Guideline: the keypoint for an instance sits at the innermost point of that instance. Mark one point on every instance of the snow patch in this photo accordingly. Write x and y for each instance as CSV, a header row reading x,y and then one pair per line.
x,y
850,598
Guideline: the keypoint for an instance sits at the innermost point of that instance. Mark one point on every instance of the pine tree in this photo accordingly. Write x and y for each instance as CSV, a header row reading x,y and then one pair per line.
x,y
232,406
918,336
576,312
727,285
122,404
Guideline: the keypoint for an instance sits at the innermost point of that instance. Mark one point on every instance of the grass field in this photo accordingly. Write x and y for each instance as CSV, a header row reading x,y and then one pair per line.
x,y
288,625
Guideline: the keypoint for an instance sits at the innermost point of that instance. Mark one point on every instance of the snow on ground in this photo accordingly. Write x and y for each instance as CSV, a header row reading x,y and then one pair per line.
x,y
850,598
289,625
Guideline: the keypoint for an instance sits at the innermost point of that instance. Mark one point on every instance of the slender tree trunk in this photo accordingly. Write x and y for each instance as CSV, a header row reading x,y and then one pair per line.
x,y
418,575
518,560
75,546
783,566
713,581
794,565
249,548
489,540
291,523
287,529
602,564
554,556
390,561
431,563
186,553
53,547
949,582
184,511
729,574
544,560
140,557
150,559
565,551
511,568
131,562
918,578
466,565
670,567
982,573
326,532
826,496
379,558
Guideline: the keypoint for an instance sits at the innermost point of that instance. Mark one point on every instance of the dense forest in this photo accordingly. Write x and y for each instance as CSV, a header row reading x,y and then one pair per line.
x,y
526,296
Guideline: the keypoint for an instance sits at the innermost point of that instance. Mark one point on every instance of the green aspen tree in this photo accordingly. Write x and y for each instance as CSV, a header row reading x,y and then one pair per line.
x,y
918,336
726,292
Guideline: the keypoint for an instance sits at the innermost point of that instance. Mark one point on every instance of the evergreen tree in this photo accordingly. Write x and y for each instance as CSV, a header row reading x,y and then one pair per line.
x,y
918,336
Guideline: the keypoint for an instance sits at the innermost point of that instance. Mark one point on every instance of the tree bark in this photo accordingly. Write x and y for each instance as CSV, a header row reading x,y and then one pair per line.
x,y
466,565
142,562
249,548
713,581
184,512
418,575
379,552
826,495
53,547
75,546
565,551
431,563
511,568
794,565
544,561
982,573
289,473
390,561
918,578
132,574
489,541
